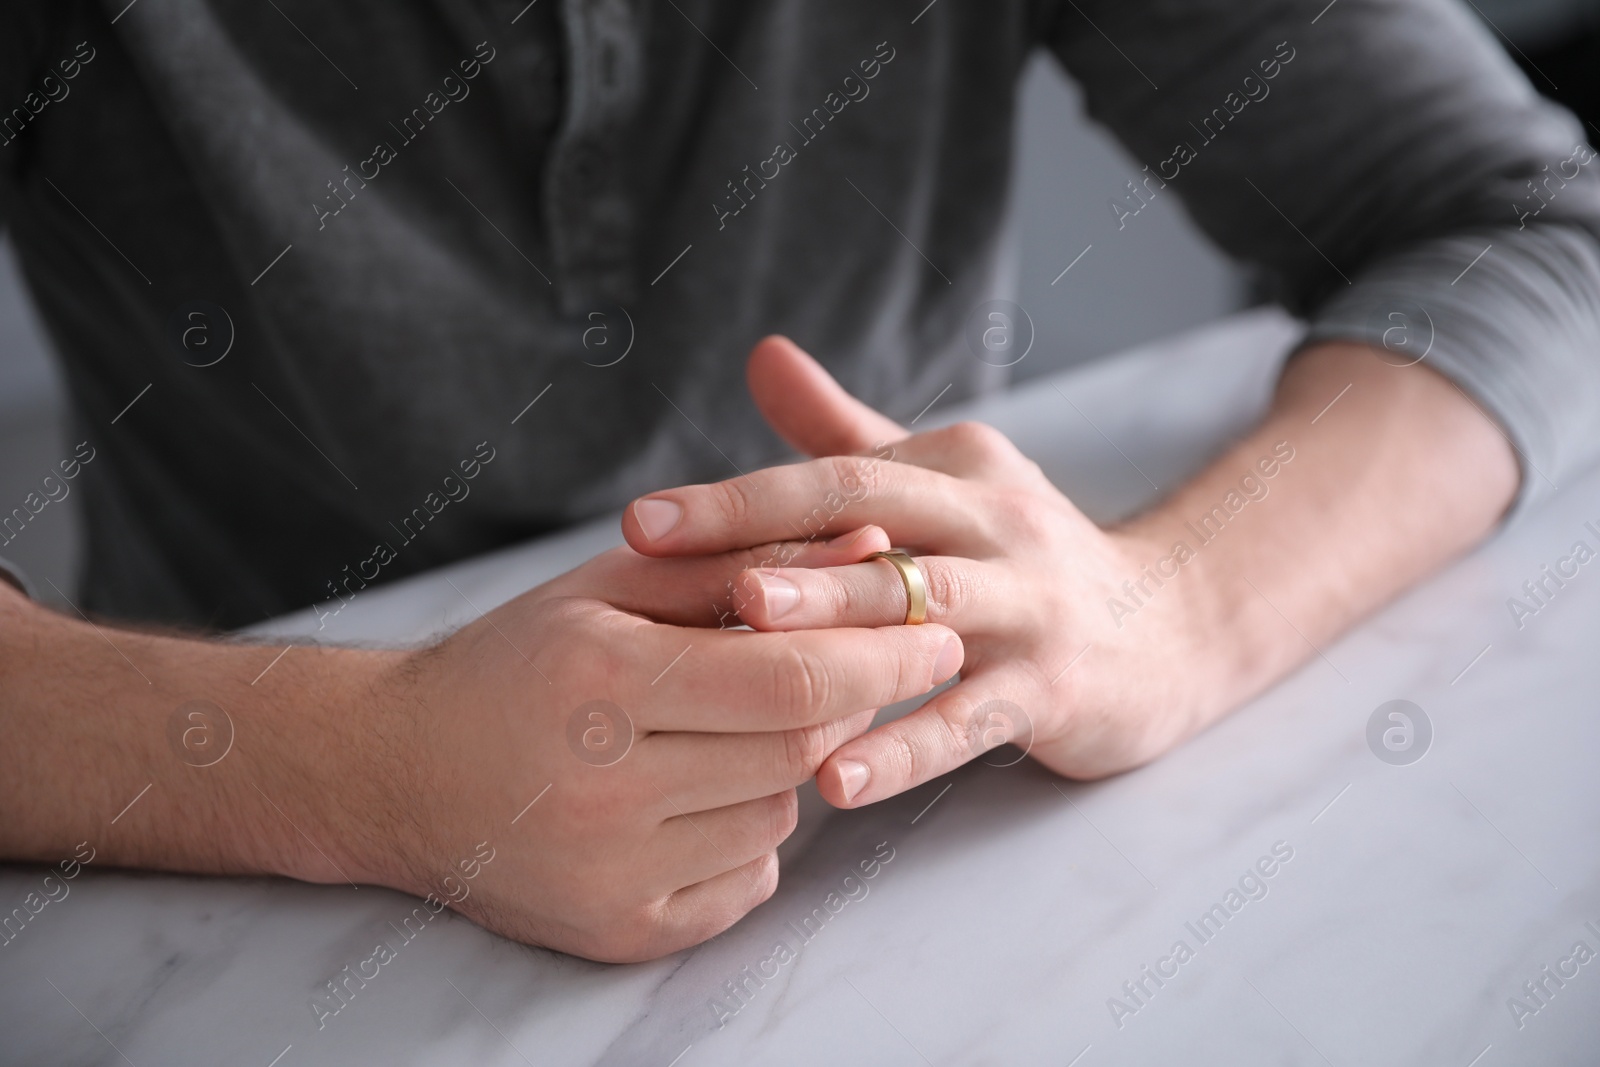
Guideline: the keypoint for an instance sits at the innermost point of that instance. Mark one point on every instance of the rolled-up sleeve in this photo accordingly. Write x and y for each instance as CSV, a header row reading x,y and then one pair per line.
x,y
1392,174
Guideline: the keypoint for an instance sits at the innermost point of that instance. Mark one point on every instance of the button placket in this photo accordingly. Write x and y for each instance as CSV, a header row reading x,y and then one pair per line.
x,y
590,213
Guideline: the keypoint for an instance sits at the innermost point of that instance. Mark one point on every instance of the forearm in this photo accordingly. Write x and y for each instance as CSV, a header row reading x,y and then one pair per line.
x,y
99,746
1399,475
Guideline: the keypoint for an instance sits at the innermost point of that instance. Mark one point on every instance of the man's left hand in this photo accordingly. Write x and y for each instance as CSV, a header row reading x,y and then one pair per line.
x,y
1008,561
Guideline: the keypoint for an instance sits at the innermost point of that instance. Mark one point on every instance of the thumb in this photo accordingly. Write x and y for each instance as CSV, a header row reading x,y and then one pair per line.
x,y
807,408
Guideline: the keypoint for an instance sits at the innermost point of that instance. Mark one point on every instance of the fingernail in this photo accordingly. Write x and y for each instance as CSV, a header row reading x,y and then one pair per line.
x,y
853,776
779,595
949,661
657,517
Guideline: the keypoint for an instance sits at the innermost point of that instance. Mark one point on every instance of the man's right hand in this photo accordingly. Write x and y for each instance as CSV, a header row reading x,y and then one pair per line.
x,y
663,757
590,767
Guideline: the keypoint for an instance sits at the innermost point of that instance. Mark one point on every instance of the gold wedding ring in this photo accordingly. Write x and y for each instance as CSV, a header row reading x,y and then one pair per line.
x,y
916,588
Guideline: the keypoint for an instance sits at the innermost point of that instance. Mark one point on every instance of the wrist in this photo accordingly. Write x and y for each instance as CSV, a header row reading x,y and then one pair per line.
x,y
1186,597
349,761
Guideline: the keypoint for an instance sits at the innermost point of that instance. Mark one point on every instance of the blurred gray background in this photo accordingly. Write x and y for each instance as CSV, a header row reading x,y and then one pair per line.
x,y
1153,278
32,437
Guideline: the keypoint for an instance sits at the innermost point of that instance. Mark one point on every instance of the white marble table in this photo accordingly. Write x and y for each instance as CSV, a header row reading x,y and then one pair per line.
x,y
1417,901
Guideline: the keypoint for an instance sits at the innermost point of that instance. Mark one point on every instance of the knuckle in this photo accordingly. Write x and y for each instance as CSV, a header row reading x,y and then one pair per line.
x,y
803,752
846,470
800,684
783,815
926,752
982,441
853,477
576,636
907,755
951,738
732,502
950,589
1019,514
568,615
764,876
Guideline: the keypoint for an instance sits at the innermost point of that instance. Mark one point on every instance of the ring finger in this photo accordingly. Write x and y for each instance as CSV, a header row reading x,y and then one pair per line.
x,y
967,595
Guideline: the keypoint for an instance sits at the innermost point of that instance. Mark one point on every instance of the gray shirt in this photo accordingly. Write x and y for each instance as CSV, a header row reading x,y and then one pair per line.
x,y
348,291
1533,23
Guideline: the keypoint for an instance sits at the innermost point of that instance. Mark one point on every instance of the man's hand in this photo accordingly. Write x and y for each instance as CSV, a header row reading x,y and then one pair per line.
x,y
670,753
567,770
1099,649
